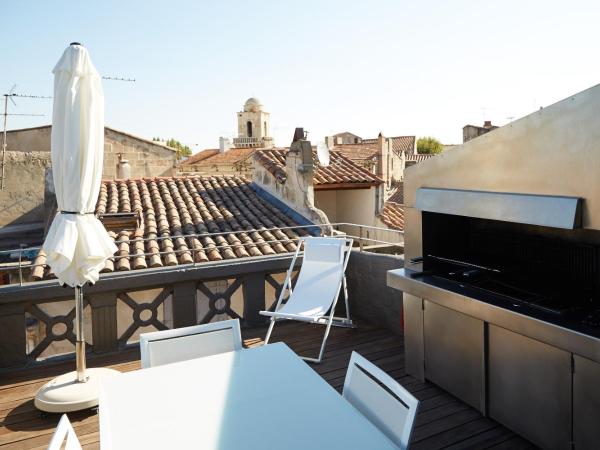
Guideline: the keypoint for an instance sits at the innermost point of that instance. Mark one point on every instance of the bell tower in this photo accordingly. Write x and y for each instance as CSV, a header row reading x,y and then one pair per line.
x,y
253,126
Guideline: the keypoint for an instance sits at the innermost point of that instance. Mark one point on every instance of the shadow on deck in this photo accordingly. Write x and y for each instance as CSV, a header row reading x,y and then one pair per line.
x,y
442,421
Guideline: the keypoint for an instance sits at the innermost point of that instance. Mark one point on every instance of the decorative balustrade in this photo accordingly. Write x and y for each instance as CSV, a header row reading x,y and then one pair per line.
x,y
264,142
36,318
121,306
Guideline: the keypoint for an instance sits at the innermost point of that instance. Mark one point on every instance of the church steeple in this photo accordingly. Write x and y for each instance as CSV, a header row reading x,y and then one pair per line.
x,y
253,126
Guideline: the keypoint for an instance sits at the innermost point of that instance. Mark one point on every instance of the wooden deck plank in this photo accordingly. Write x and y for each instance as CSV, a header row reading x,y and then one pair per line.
x,y
443,421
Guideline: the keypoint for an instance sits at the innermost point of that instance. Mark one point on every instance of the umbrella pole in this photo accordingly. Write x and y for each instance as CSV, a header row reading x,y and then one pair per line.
x,y
80,340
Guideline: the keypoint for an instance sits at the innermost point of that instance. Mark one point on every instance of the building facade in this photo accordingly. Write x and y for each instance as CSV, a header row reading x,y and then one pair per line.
x,y
124,153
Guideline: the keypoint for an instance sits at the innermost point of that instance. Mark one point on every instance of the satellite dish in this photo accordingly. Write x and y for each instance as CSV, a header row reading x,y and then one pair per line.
x,y
323,154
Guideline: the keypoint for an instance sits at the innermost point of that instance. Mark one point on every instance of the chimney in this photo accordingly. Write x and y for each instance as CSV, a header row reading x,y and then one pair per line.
x,y
224,144
381,155
330,141
123,168
487,124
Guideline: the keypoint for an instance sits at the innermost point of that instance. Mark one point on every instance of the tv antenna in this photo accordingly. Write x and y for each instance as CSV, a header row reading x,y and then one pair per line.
x,y
11,96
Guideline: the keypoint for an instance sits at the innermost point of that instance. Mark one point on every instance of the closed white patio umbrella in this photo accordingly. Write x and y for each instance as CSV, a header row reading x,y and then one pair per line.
x,y
77,244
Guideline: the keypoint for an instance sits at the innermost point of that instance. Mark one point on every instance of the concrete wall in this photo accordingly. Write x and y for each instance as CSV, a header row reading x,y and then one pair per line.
x,y
554,151
147,159
370,297
326,201
22,199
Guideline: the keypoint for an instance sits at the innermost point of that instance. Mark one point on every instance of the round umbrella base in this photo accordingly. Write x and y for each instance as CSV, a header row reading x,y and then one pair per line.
x,y
65,394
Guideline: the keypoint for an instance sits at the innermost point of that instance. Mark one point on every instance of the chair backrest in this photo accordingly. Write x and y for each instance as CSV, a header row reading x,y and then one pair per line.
x,y
64,429
180,344
380,398
320,275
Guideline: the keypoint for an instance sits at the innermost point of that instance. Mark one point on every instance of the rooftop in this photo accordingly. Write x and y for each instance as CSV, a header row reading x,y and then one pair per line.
x,y
229,157
173,207
442,420
200,156
342,171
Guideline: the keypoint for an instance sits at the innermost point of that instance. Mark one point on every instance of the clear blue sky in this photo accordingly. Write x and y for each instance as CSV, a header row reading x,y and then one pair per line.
x,y
401,67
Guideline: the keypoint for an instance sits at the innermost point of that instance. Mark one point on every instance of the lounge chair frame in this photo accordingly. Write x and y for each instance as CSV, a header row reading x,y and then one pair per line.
x,y
328,320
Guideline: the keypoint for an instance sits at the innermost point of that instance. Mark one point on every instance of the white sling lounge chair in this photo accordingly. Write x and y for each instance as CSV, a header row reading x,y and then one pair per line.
x,y
180,344
315,294
64,429
381,399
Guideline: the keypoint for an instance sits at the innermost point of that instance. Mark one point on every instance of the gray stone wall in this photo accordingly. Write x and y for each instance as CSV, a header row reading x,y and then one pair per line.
x,y
147,158
370,297
22,199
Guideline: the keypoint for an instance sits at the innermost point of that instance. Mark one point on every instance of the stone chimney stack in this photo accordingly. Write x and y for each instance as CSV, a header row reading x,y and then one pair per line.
x,y
487,124
123,168
330,141
224,144
381,155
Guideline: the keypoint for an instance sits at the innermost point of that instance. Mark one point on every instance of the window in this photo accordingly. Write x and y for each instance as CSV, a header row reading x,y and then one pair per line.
x,y
265,131
249,128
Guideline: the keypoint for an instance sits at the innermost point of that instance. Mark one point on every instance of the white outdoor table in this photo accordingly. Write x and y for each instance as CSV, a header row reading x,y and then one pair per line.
x,y
263,398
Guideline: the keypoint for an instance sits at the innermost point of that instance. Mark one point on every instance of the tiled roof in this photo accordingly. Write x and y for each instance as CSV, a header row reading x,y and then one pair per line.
x,y
393,215
393,209
359,152
200,156
231,156
403,144
398,195
399,143
341,170
419,157
172,207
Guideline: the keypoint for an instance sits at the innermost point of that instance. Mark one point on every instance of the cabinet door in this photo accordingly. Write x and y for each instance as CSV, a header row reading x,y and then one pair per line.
x,y
586,403
529,388
454,358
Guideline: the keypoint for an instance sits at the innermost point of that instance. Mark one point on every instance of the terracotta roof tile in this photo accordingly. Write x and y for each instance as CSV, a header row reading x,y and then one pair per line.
x,y
419,157
398,195
399,143
393,215
231,156
341,170
359,152
172,208
200,156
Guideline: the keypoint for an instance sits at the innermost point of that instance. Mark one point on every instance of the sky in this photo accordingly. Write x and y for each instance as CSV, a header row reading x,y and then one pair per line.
x,y
423,68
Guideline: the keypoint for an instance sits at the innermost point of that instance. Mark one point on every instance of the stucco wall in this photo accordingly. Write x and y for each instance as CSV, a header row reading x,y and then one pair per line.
x,y
326,201
554,151
147,159
22,199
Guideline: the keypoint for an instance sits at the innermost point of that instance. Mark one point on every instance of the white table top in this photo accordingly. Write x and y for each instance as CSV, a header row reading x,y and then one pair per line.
x,y
263,398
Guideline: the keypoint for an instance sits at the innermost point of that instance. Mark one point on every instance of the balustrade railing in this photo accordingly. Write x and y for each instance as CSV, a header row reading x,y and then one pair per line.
x,y
36,318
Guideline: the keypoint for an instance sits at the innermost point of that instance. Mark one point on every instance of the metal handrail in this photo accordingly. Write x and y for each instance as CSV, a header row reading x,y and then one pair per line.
x,y
192,251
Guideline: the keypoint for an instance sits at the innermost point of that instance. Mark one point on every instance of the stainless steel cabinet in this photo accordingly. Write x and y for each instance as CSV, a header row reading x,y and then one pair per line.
x,y
454,353
529,388
586,403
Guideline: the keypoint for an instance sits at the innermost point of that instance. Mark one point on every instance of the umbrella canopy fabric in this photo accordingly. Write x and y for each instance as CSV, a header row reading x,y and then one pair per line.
x,y
77,244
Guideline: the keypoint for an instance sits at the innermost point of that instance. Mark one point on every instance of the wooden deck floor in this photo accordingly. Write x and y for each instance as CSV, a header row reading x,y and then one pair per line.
x,y
442,420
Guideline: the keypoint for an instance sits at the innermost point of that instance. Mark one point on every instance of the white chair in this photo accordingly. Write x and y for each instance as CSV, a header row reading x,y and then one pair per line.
x,y
169,346
314,297
381,399
64,429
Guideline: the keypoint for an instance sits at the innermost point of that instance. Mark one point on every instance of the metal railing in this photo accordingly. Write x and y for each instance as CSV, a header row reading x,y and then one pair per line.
x,y
208,244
